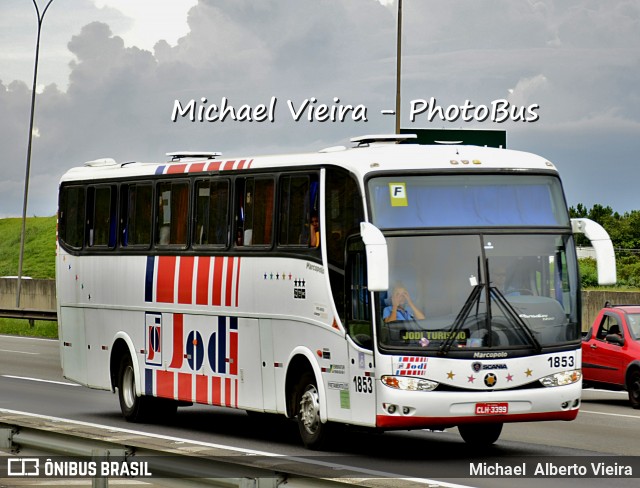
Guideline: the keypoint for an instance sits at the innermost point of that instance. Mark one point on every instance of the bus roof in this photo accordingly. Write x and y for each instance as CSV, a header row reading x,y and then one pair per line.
x,y
372,155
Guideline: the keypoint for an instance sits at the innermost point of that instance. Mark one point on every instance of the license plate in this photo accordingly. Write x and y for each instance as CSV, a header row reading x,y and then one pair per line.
x,y
492,408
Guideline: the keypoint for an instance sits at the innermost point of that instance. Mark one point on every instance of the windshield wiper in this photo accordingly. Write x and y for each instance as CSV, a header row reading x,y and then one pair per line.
x,y
508,310
473,298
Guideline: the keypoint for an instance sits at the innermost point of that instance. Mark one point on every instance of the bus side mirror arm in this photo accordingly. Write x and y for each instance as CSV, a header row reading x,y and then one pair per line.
x,y
603,247
377,258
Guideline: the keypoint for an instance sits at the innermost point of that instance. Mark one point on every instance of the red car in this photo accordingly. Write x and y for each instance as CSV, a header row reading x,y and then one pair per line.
x,y
611,351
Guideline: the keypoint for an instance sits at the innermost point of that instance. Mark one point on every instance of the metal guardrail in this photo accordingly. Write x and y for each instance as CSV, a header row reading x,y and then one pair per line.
x,y
28,313
177,464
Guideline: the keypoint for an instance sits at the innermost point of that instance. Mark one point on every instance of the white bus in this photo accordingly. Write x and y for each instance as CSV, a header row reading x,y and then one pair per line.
x,y
198,281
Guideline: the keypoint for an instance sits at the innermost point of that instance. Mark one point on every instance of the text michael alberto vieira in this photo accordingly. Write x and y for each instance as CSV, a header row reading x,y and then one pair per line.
x,y
314,110
557,469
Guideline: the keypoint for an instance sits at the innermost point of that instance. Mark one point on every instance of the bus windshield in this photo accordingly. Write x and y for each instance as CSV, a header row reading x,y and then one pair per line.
x,y
467,200
497,291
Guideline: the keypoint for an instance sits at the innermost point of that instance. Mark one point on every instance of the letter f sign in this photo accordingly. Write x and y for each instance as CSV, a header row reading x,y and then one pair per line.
x,y
398,194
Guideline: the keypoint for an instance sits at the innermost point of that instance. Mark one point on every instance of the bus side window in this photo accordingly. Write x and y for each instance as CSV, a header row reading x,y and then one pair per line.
x,y
101,216
71,217
212,202
359,323
344,212
298,202
172,213
254,214
135,215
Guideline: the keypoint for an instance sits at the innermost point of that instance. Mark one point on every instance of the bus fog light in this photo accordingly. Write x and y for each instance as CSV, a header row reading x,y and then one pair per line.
x,y
406,410
562,379
409,384
391,409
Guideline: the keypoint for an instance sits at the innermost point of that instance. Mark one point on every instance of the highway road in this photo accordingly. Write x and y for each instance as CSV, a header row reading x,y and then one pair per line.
x,y
607,429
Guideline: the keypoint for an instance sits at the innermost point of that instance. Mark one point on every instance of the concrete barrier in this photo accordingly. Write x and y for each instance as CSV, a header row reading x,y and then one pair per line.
x,y
594,300
34,294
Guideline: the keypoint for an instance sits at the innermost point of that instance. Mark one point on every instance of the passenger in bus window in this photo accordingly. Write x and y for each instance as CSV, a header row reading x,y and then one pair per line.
x,y
502,277
402,306
499,278
164,213
315,231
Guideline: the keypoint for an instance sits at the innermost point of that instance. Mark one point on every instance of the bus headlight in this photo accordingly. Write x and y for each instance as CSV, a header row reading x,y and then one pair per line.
x,y
408,383
562,379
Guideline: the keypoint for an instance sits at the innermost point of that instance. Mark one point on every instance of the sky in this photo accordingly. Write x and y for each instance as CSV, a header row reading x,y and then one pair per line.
x,y
111,73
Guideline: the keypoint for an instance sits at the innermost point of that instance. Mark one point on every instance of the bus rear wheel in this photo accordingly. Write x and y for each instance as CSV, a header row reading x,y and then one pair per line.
x,y
480,434
312,431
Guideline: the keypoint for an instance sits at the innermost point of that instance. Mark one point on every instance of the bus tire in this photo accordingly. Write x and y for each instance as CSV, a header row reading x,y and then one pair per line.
x,y
312,431
480,434
140,408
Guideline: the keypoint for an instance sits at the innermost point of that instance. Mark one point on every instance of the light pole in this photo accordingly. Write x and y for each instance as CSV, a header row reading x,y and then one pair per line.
x,y
26,178
398,65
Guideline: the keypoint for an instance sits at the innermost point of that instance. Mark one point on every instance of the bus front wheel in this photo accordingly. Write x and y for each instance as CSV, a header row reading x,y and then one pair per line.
x,y
480,434
312,431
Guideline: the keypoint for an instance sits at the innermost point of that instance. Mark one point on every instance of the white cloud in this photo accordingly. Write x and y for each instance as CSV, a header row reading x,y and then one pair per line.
x,y
151,20
578,59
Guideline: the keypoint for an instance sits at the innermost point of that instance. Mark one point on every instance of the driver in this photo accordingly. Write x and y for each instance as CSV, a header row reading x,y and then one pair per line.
x,y
402,306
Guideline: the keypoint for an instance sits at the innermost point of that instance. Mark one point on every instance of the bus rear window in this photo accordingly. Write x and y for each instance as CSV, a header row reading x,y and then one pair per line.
x,y
71,216
465,200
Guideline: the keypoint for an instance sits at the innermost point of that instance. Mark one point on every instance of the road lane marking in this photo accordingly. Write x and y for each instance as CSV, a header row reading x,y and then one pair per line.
x,y
8,336
611,414
38,379
20,352
372,474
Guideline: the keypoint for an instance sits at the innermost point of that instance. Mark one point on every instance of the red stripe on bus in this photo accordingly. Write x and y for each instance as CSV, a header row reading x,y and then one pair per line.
x,y
233,352
249,164
216,387
228,289
228,165
176,168
164,384
178,355
202,285
228,400
216,293
202,389
241,163
196,167
238,284
404,423
185,280
214,166
185,388
166,279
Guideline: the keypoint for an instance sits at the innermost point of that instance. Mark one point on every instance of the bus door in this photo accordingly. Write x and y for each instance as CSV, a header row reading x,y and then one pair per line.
x,y
362,381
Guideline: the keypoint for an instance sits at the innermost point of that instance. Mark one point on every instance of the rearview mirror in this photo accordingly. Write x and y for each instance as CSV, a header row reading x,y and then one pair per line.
x,y
377,258
601,242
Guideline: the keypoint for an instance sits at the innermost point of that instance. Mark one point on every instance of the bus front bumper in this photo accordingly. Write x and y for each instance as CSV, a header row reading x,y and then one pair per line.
x,y
416,409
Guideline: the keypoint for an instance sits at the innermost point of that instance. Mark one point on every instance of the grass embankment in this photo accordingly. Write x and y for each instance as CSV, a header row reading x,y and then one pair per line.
x,y
39,262
39,247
